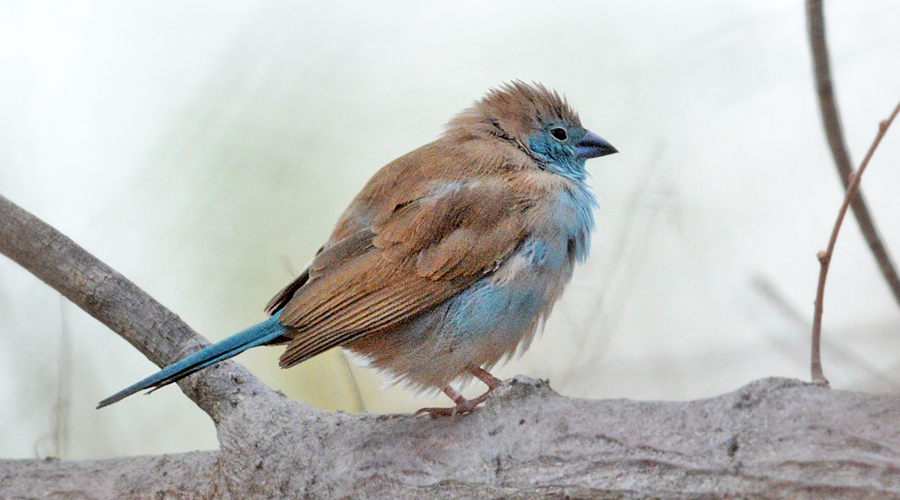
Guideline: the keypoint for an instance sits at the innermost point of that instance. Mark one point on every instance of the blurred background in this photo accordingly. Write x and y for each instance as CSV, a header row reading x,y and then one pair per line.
x,y
205,150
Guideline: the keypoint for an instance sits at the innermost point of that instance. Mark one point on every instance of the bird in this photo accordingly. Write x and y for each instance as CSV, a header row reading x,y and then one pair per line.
x,y
450,258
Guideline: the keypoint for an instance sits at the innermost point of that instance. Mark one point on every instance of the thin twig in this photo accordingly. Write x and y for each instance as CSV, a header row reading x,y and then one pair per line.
x,y
359,403
825,257
62,408
833,131
843,352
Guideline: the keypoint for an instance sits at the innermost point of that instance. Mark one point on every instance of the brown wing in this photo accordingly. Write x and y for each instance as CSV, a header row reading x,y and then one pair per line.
x,y
286,293
352,246
426,251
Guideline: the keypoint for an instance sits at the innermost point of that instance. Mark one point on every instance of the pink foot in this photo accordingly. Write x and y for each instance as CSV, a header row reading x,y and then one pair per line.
x,y
464,406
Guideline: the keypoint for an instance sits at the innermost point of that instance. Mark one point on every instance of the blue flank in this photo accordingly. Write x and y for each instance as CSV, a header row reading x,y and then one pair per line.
x,y
256,335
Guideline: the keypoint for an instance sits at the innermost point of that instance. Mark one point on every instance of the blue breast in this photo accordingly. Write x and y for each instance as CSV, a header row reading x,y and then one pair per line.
x,y
574,218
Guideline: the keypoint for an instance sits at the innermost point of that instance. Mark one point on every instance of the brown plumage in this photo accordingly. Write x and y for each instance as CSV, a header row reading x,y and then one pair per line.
x,y
451,255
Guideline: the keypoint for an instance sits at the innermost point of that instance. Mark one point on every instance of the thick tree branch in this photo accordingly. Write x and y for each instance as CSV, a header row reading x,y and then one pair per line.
x,y
775,438
834,132
116,302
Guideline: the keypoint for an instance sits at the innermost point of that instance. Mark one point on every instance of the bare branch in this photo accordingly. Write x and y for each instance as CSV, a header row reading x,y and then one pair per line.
x,y
825,257
833,131
115,301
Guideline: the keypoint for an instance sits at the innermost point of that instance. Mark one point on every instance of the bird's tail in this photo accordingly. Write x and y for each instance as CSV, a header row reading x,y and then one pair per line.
x,y
256,335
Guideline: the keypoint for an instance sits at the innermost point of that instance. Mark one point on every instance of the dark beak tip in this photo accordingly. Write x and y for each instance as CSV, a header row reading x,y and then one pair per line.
x,y
593,146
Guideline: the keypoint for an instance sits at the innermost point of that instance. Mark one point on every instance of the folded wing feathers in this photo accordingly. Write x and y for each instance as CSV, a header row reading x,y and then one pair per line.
x,y
425,252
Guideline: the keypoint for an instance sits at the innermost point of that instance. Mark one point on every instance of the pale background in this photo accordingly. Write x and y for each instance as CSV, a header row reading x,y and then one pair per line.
x,y
205,149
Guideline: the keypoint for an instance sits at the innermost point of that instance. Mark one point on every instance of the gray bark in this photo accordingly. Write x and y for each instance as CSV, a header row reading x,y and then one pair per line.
x,y
774,438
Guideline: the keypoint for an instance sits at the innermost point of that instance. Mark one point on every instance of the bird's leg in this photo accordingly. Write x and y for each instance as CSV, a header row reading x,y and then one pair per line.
x,y
469,405
489,380
465,406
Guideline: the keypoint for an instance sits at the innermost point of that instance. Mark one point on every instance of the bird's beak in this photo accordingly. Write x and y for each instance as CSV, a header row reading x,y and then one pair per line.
x,y
593,146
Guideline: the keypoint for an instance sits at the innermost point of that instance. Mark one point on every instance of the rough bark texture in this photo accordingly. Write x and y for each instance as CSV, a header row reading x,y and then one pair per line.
x,y
773,438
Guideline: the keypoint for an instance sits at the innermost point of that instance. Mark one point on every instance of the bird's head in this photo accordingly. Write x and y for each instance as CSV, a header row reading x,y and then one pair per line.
x,y
538,122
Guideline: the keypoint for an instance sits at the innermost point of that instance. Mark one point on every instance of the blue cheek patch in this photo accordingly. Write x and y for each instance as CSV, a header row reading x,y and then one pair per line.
x,y
560,159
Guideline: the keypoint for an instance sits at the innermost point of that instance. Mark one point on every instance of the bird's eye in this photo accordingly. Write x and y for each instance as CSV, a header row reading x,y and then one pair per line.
x,y
559,134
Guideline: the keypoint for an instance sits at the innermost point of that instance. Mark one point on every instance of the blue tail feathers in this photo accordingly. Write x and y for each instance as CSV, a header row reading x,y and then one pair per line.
x,y
256,335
